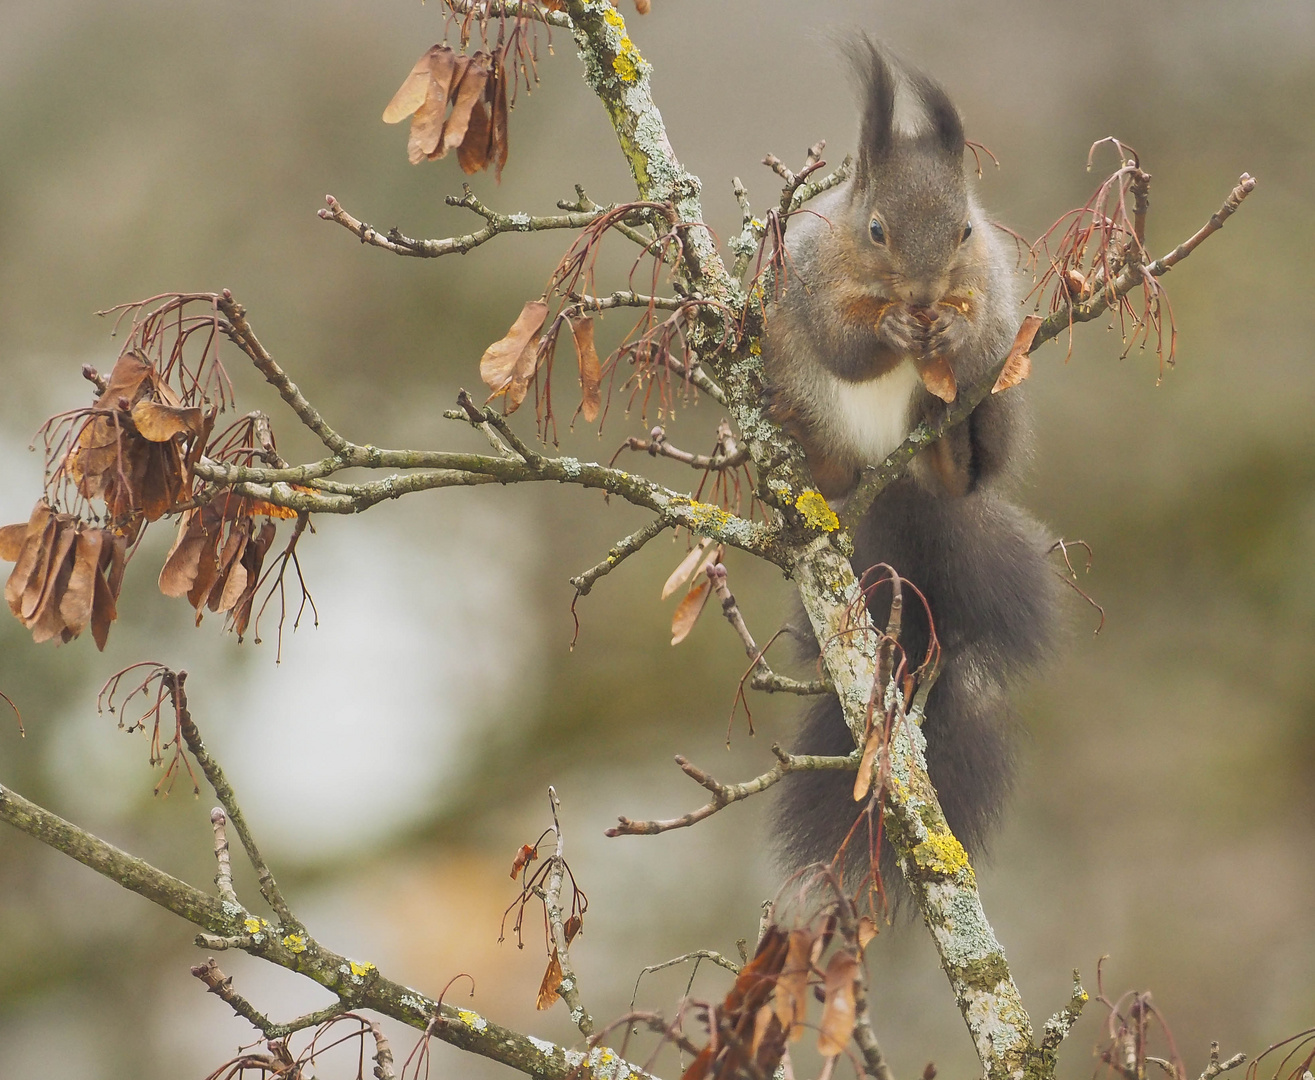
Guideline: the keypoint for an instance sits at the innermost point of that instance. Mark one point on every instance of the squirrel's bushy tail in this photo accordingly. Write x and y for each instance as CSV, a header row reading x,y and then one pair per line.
x,y
982,565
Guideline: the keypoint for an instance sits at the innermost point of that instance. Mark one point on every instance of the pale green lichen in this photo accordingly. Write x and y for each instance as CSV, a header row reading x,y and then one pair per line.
x,y
542,1045
294,943
816,513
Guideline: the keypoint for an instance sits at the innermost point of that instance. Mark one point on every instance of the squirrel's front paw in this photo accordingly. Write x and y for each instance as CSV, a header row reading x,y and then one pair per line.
x,y
946,335
900,330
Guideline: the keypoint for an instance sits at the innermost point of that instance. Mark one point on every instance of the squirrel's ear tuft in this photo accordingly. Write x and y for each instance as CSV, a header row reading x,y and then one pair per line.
x,y
877,83
944,124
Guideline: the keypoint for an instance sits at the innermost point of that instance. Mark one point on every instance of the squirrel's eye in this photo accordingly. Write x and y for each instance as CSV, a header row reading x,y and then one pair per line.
x,y
967,232
878,233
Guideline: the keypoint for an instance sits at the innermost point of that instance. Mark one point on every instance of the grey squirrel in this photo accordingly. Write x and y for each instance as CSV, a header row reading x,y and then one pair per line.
x,y
899,293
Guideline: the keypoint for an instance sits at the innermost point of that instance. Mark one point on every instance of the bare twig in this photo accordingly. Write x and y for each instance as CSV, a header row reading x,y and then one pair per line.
x,y
224,875
617,554
1216,1066
569,987
725,794
400,244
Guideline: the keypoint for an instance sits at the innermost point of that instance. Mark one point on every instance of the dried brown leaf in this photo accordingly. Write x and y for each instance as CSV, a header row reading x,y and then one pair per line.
x,y
46,621
552,978
837,1024
591,372
103,610
160,423
867,930
76,603
698,1068
129,381
524,856
1018,365
427,124
473,153
938,377
25,564
183,562
12,539
42,570
508,364
792,985
466,95
688,611
411,94
253,558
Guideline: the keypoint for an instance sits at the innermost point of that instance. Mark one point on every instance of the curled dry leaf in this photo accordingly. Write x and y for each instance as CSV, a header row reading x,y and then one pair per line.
x,y
591,374
837,1024
59,585
136,448
475,88
217,557
523,857
552,979
867,930
938,378
508,364
159,423
1018,365
688,611
792,986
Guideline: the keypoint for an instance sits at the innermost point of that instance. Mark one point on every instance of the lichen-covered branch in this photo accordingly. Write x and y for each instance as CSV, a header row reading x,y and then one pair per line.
x,y
400,244
294,488
358,985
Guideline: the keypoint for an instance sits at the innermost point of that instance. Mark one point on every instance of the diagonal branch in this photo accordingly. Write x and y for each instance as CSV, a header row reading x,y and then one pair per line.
x,y
357,984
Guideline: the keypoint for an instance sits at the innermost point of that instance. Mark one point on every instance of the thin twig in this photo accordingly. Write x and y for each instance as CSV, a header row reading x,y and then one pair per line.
x,y
224,875
617,554
269,888
569,987
725,794
400,244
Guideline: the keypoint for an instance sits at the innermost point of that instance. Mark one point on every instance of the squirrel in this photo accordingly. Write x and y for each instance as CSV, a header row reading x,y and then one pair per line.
x,y
899,294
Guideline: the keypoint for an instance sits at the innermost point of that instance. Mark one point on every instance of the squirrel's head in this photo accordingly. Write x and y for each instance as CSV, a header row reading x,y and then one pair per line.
x,y
909,211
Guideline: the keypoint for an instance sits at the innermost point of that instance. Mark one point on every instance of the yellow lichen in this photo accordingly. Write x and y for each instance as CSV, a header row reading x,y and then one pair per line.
x,y
613,18
470,1019
817,514
941,853
361,970
624,66
294,943
755,347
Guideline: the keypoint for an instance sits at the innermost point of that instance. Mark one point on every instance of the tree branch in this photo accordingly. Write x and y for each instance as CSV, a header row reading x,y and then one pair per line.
x,y
359,985
400,244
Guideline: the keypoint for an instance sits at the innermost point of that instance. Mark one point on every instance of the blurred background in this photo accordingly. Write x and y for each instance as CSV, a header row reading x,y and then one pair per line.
x,y
399,754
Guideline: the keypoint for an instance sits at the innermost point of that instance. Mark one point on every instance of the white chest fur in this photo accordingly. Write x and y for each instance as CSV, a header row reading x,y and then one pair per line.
x,y
873,416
